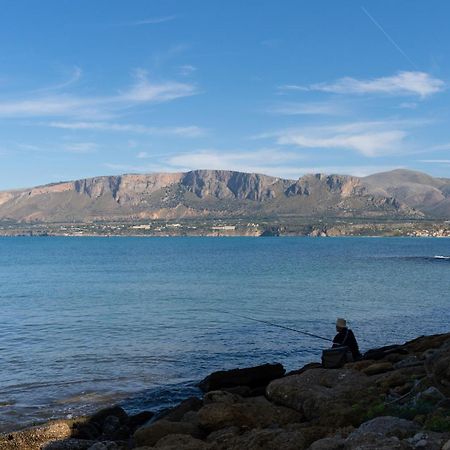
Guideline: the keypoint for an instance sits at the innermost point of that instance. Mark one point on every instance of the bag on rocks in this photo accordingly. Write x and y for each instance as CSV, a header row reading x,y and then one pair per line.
x,y
336,357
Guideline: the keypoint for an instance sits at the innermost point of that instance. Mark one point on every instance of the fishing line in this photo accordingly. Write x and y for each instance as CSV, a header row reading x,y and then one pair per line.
x,y
275,325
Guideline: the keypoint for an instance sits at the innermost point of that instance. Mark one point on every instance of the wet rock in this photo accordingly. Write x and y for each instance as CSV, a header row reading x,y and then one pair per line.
x,y
86,430
110,425
377,368
252,412
139,419
382,352
220,397
242,391
251,376
325,394
175,414
150,434
306,367
116,411
387,426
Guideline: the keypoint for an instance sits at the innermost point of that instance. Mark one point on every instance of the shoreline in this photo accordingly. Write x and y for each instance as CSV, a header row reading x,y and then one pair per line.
x,y
398,396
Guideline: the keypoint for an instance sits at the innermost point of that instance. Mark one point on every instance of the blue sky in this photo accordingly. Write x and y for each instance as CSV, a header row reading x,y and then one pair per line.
x,y
280,87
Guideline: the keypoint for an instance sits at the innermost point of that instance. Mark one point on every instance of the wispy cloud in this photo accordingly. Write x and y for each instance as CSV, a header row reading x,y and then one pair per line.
x,y
74,77
416,83
370,139
190,131
187,69
435,161
142,91
368,143
149,21
80,147
272,162
306,108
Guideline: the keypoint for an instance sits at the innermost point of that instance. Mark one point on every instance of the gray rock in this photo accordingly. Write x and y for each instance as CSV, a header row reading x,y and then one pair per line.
x,y
430,395
320,393
373,441
387,426
329,443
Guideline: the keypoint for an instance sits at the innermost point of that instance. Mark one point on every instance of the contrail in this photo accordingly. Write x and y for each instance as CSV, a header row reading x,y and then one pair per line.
x,y
389,37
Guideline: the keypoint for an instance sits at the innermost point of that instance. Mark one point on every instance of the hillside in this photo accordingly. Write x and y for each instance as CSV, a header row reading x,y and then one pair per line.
x,y
229,194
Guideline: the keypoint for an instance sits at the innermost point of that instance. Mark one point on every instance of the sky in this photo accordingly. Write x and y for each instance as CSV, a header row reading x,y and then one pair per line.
x,y
286,87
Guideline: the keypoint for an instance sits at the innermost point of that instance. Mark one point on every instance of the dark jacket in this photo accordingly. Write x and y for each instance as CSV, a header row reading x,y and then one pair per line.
x,y
346,337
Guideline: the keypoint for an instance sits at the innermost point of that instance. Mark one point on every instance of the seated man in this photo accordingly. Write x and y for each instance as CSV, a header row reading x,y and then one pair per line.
x,y
346,337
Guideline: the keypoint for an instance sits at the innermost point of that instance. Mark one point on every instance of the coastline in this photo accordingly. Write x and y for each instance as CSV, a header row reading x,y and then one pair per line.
x,y
398,396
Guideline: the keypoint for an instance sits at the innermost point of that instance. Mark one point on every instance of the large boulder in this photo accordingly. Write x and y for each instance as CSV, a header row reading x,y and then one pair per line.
x,y
388,426
263,439
250,376
149,435
176,413
328,395
373,441
250,412
181,441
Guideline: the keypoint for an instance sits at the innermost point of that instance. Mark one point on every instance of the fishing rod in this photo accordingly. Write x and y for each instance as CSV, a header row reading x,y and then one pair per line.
x,y
276,325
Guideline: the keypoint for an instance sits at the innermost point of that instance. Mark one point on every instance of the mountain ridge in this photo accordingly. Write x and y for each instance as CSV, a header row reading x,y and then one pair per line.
x,y
225,193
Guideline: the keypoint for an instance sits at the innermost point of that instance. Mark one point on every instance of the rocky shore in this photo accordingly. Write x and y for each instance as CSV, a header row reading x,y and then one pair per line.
x,y
398,397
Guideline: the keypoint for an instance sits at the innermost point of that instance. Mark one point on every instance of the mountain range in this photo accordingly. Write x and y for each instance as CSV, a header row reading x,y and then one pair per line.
x,y
229,194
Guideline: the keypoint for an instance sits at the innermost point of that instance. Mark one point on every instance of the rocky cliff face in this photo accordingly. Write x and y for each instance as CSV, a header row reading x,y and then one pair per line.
x,y
220,193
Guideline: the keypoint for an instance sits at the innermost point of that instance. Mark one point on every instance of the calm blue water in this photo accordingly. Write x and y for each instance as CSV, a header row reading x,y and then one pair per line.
x,y
94,321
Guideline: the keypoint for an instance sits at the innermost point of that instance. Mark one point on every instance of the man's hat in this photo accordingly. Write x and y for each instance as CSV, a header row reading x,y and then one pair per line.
x,y
341,323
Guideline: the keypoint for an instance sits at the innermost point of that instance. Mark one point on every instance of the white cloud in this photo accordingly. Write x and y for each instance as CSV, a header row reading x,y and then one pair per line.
x,y
368,144
142,91
190,131
435,161
266,161
307,108
417,83
370,139
143,155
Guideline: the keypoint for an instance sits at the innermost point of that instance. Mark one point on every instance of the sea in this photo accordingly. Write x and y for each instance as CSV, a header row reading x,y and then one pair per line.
x,y
88,322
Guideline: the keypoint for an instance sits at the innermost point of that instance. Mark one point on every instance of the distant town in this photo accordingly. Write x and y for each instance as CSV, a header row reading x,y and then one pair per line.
x,y
238,227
